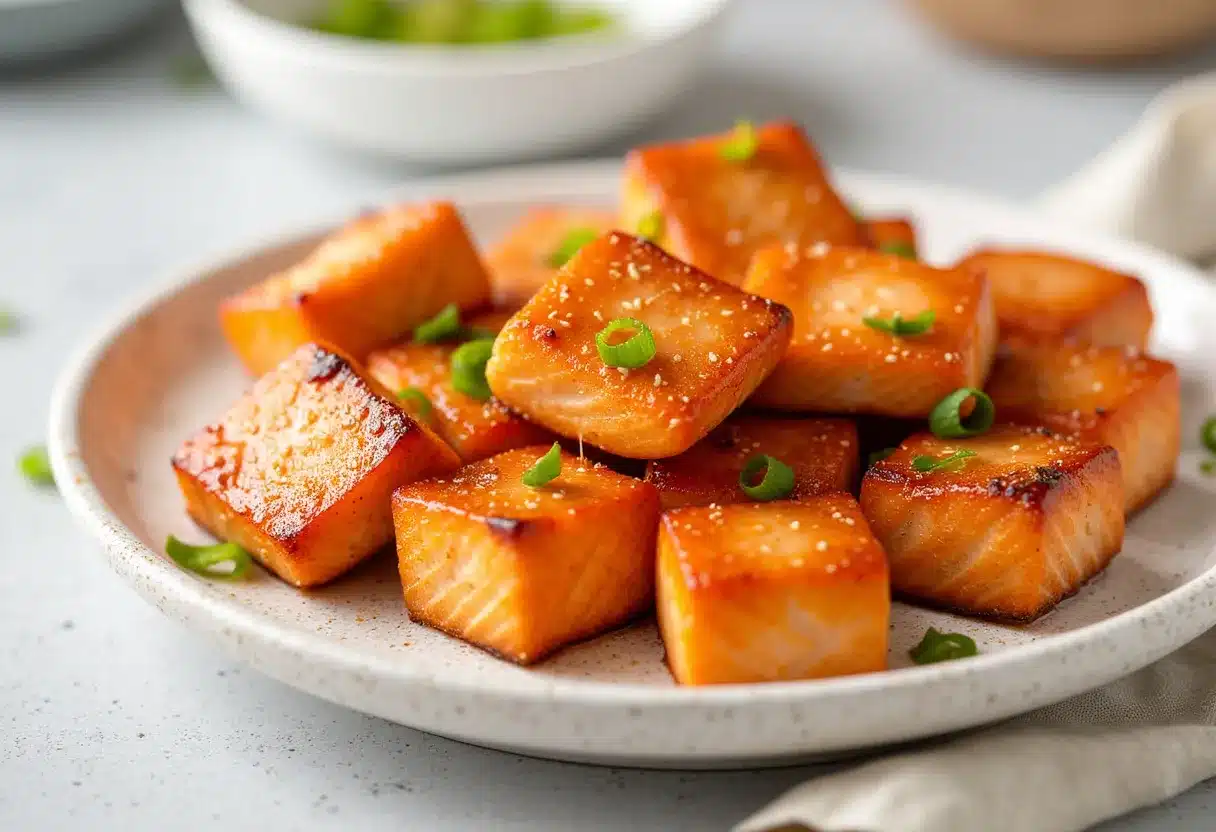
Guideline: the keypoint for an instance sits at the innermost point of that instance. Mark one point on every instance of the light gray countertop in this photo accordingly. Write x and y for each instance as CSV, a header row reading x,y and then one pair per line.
x,y
111,716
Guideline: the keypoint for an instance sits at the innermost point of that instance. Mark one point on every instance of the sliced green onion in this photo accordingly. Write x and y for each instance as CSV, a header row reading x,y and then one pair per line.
x,y
898,325
419,401
878,456
468,364
546,469
1208,467
445,326
9,322
778,479
191,72
900,248
947,422
635,351
943,647
924,464
1207,434
575,239
356,18
650,227
742,143
35,466
205,559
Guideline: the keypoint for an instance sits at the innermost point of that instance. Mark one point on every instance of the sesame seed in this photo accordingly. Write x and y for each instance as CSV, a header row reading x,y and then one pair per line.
x,y
958,307
658,380
564,323
624,371
632,270
677,358
830,568
730,361
597,315
1015,448
1097,386
794,524
822,546
588,281
827,347
713,358
686,320
891,359
673,422
726,313
836,515
849,521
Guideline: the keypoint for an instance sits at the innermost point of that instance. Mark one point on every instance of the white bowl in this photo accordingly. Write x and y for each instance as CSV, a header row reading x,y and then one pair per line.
x,y
457,105
34,29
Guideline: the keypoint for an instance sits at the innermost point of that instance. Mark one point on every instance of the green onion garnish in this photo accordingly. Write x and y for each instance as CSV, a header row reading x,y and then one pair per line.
x,y
1208,467
205,559
924,464
191,72
898,325
9,322
35,466
878,456
1207,434
650,227
445,326
635,351
742,143
575,239
778,478
899,248
943,647
547,468
418,400
468,365
947,422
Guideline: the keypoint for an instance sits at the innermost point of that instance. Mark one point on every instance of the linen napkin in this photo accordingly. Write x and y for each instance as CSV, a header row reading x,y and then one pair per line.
x,y
1135,742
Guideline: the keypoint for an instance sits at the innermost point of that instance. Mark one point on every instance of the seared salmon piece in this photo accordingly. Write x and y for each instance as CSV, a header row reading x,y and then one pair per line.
x,y
300,470
713,345
1005,533
1113,396
770,592
474,429
715,212
522,571
1049,296
821,452
365,286
538,245
894,235
839,363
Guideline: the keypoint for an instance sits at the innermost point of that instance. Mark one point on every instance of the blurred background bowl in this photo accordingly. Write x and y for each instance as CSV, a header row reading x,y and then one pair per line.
x,y
1080,30
39,29
446,104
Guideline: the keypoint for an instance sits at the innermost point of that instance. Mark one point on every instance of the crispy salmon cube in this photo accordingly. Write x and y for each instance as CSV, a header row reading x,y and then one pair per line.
x,y
300,470
1006,533
523,571
365,286
768,592
716,212
533,250
713,345
1113,396
894,235
837,363
821,452
1040,295
475,429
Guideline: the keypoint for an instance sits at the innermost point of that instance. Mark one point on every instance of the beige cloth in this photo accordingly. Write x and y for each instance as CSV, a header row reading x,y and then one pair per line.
x,y
1133,743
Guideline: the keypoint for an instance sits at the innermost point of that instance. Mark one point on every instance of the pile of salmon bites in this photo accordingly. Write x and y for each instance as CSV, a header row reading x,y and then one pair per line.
x,y
731,401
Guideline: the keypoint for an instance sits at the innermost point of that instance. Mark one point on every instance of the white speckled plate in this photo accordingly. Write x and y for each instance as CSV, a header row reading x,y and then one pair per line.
x,y
161,370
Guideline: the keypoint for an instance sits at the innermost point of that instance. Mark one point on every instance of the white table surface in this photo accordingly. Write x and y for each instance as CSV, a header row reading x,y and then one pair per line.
x,y
113,717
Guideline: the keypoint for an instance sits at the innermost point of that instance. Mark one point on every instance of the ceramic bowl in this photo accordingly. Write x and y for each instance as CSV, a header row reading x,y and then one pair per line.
x,y
453,104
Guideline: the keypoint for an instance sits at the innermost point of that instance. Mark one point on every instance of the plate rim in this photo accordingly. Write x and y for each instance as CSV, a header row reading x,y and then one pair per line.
x,y
184,594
